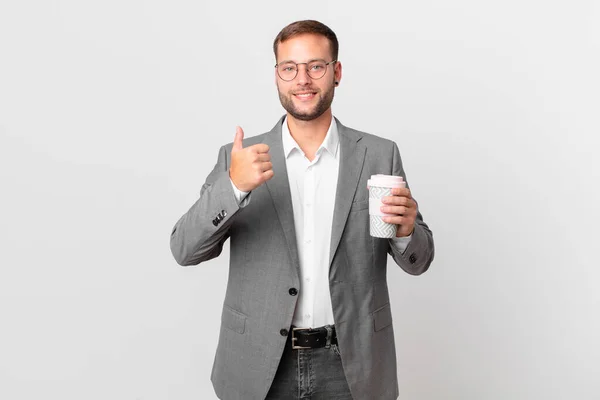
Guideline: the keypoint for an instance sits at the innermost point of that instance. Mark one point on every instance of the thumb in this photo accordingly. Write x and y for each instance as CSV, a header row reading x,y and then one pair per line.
x,y
239,136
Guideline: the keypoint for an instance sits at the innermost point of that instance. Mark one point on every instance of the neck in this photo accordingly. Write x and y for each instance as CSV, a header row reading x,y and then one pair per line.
x,y
312,132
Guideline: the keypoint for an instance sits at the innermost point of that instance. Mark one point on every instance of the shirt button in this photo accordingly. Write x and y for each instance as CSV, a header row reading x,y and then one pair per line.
x,y
307,241
307,279
293,291
283,332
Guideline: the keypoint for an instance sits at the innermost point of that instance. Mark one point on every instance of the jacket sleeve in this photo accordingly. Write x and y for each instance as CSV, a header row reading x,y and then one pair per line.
x,y
419,253
200,233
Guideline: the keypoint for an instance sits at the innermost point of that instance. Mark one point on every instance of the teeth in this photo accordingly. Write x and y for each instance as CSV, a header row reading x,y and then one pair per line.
x,y
304,95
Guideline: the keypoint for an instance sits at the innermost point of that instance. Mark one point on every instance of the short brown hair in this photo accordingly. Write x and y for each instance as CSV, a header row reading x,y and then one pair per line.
x,y
307,26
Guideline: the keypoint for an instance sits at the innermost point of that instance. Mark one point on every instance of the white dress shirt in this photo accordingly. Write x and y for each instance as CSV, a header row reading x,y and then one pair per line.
x,y
313,187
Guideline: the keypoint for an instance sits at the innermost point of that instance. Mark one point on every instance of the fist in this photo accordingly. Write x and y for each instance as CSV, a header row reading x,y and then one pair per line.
x,y
250,166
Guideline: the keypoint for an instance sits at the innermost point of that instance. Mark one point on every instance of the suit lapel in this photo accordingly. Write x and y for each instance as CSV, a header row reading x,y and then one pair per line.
x,y
279,188
351,164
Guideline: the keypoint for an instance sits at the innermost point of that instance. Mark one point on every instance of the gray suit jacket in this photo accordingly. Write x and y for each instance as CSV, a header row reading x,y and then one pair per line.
x,y
264,266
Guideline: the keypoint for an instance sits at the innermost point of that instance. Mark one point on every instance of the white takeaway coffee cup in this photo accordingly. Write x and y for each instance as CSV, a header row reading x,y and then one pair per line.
x,y
381,186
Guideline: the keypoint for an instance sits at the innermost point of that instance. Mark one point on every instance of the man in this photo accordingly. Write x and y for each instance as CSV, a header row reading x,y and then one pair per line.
x,y
306,311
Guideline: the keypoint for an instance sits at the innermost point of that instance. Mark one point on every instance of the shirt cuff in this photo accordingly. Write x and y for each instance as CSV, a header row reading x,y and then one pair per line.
x,y
242,198
401,243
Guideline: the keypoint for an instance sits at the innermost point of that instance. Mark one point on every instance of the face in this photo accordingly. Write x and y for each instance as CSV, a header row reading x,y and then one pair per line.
x,y
305,98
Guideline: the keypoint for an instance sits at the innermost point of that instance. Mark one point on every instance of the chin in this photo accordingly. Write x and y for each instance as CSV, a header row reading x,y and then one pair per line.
x,y
305,116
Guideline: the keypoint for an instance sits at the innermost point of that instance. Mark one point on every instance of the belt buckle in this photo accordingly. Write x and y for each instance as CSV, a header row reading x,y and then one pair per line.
x,y
295,338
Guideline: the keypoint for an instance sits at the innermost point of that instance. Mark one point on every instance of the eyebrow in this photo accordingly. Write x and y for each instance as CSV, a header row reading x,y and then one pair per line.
x,y
309,61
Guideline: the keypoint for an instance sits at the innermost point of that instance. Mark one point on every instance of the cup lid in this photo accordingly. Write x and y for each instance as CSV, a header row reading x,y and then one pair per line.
x,y
386,181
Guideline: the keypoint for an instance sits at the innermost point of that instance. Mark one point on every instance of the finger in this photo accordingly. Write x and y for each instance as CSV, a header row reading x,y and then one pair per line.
x,y
260,148
398,210
396,200
267,175
405,192
263,157
239,137
397,220
265,166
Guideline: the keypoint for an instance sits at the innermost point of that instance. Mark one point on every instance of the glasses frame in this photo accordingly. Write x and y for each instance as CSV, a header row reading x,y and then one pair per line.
x,y
297,69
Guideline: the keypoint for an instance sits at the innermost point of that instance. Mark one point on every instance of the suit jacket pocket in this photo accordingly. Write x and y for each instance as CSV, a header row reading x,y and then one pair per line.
x,y
234,320
382,317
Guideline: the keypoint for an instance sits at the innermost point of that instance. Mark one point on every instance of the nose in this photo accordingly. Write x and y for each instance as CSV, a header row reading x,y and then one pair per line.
x,y
303,78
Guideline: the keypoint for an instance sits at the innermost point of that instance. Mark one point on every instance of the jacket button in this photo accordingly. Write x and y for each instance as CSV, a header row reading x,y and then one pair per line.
x,y
215,222
412,258
293,291
283,332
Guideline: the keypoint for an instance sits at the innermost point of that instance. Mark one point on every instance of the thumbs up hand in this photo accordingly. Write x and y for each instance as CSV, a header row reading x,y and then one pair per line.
x,y
250,166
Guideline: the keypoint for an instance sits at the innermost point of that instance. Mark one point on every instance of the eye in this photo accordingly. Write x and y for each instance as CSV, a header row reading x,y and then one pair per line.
x,y
287,68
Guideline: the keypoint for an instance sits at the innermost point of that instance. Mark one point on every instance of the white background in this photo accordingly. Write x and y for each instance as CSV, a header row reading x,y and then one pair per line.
x,y
111,116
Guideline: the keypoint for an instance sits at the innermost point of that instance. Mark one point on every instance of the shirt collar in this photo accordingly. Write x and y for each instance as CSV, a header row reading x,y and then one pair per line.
x,y
330,143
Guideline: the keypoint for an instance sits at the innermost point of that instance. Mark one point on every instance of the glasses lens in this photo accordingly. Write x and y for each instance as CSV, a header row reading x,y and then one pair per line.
x,y
317,69
287,71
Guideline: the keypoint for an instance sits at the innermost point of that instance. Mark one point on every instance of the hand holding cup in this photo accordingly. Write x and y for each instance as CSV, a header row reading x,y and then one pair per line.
x,y
403,208
391,208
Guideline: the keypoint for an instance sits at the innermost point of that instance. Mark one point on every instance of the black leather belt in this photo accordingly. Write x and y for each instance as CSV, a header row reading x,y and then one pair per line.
x,y
312,338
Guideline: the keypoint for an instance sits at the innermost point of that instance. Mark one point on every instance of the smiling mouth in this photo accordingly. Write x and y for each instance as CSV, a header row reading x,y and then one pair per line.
x,y
305,95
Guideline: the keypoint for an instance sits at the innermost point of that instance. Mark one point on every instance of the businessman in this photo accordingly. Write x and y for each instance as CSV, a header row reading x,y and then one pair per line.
x,y
306,312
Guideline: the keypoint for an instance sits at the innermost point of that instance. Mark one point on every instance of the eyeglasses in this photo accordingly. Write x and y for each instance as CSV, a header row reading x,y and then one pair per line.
x,y
315,69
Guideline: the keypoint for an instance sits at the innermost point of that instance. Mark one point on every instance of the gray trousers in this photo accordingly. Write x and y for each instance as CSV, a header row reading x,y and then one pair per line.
x,y
314,374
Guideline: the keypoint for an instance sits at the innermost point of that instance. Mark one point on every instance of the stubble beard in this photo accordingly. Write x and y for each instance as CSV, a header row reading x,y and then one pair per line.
x,y
322,105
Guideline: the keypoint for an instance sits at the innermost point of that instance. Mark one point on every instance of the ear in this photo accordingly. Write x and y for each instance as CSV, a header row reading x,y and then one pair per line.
x,y
275,75
338,73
